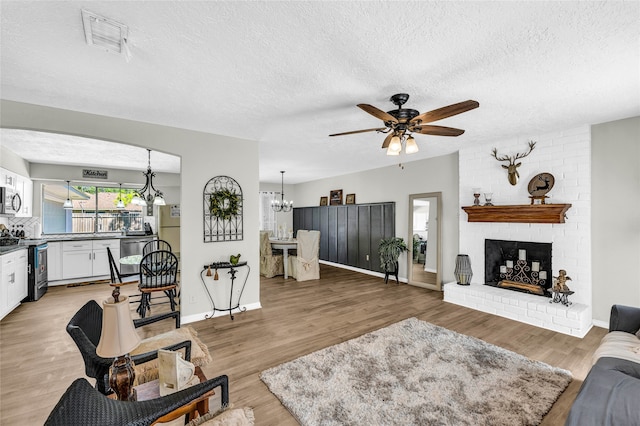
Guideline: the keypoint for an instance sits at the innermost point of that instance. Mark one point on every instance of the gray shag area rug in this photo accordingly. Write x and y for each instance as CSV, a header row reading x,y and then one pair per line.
x,y
415,373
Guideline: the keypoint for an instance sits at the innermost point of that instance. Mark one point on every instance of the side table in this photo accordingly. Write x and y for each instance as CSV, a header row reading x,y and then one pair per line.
x,y
233,270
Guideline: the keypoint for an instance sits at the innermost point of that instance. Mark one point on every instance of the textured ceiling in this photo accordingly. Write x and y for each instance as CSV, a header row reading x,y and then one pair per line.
x,y
288,74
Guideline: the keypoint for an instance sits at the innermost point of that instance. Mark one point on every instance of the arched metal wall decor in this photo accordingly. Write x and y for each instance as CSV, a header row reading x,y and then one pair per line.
x,y
222,208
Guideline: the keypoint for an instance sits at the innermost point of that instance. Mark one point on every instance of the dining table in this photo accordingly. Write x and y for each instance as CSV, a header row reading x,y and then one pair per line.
x,y
134,259
285,246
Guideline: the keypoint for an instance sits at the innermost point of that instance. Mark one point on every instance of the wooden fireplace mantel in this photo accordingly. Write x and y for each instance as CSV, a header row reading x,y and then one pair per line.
x,y
537,213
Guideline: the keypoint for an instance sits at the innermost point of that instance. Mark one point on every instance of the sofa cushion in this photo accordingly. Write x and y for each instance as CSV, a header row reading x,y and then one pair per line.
x,y
619,344
608,396
226,417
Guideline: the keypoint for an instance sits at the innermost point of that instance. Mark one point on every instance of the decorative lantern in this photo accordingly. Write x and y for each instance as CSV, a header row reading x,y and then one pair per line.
x,y
463,270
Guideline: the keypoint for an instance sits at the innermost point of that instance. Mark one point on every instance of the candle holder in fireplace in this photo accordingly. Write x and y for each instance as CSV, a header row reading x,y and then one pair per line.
x,y
523,277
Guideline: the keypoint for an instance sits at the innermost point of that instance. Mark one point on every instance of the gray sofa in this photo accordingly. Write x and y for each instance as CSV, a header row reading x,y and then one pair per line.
x,y
610,394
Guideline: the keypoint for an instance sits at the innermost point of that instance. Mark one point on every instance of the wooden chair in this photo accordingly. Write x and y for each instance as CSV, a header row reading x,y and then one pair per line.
x,y
116,276
270,264
155,245
158,272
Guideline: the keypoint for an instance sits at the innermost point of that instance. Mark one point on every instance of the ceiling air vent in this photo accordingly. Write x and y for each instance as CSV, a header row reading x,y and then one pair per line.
x,y
106,33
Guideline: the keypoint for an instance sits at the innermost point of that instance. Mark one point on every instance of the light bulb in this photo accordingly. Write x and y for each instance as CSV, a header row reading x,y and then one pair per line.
x,y
411,146
395,144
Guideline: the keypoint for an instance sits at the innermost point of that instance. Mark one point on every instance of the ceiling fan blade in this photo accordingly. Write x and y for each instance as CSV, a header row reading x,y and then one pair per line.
x,y
379,129
387,140
378,113
444,112
437,130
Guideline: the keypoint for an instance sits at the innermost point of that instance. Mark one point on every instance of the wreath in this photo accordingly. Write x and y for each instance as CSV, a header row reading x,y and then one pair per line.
x,y
223,204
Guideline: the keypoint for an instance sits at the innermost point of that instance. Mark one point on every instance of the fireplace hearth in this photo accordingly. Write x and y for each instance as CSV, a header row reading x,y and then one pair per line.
x,y
519,265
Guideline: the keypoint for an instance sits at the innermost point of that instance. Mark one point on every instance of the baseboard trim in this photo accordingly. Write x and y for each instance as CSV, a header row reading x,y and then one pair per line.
x,y
362,271
186,319
601,324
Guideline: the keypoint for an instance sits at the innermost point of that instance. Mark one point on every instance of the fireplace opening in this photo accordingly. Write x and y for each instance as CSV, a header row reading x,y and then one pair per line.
x,y
518,265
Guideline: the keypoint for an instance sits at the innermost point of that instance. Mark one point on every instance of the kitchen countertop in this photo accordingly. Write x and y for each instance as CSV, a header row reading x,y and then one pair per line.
x,y
9,249
78,237
26,242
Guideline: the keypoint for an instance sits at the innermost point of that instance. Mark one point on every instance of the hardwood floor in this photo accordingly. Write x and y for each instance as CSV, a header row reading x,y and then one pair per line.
x,y
39,360
422,276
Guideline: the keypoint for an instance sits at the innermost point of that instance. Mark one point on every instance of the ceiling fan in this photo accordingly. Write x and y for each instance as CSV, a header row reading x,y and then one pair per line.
x,y
402,122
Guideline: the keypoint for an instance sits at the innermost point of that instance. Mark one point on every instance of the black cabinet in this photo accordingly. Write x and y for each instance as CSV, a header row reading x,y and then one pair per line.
x,y
349,234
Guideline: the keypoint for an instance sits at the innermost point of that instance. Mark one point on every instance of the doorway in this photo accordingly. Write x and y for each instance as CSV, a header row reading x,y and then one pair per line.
x,y
424,258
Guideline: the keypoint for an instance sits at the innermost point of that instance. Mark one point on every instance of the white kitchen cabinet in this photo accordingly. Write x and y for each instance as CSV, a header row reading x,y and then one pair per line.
x,y
24,187
54,261
20,290
87,258
100,256
13,280
8,178
77,259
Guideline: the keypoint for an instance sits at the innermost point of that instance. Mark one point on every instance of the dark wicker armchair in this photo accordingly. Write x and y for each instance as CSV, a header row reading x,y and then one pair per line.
x,y
83,405
86,328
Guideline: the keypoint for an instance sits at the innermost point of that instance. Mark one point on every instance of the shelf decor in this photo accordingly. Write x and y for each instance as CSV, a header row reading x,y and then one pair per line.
x,y
222,210
537,213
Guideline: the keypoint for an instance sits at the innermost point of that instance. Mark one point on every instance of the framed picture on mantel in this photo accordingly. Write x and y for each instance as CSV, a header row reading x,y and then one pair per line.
x,y
335,197
324,201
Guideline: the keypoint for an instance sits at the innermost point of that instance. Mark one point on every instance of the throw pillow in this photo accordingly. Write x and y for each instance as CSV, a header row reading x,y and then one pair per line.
x,y
148,371
638,333
226,417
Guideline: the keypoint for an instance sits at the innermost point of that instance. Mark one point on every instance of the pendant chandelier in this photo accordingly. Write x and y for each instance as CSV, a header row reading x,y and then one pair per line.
x,y
68,205
282,205
148,195
120,204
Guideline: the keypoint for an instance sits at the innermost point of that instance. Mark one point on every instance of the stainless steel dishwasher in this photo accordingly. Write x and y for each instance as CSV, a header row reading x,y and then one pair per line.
x,y
129,247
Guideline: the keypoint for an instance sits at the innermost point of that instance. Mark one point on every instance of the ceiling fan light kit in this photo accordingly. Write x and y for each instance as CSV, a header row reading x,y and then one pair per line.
x,y
400,123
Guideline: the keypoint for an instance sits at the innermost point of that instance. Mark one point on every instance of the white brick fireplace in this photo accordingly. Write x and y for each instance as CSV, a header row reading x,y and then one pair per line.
x,y
566,155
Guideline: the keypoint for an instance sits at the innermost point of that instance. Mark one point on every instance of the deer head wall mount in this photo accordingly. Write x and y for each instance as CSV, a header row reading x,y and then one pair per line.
x,y
512,168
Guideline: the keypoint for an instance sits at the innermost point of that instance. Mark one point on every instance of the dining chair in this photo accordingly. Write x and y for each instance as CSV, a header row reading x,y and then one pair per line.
x,y
156,245
116,275
305,265
158,273
270,264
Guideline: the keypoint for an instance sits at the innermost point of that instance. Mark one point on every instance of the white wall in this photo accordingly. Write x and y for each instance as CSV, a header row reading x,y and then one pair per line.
x,y
11,161
566,155
203,157
616,215
396,184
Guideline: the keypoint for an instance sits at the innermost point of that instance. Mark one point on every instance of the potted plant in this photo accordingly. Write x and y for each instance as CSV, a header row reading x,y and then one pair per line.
x,y
390,250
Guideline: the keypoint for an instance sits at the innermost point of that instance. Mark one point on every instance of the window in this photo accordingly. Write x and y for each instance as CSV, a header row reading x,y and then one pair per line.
x,y
94,210
267,214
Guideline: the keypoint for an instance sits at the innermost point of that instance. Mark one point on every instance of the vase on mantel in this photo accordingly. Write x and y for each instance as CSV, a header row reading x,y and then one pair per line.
x,y
463,272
